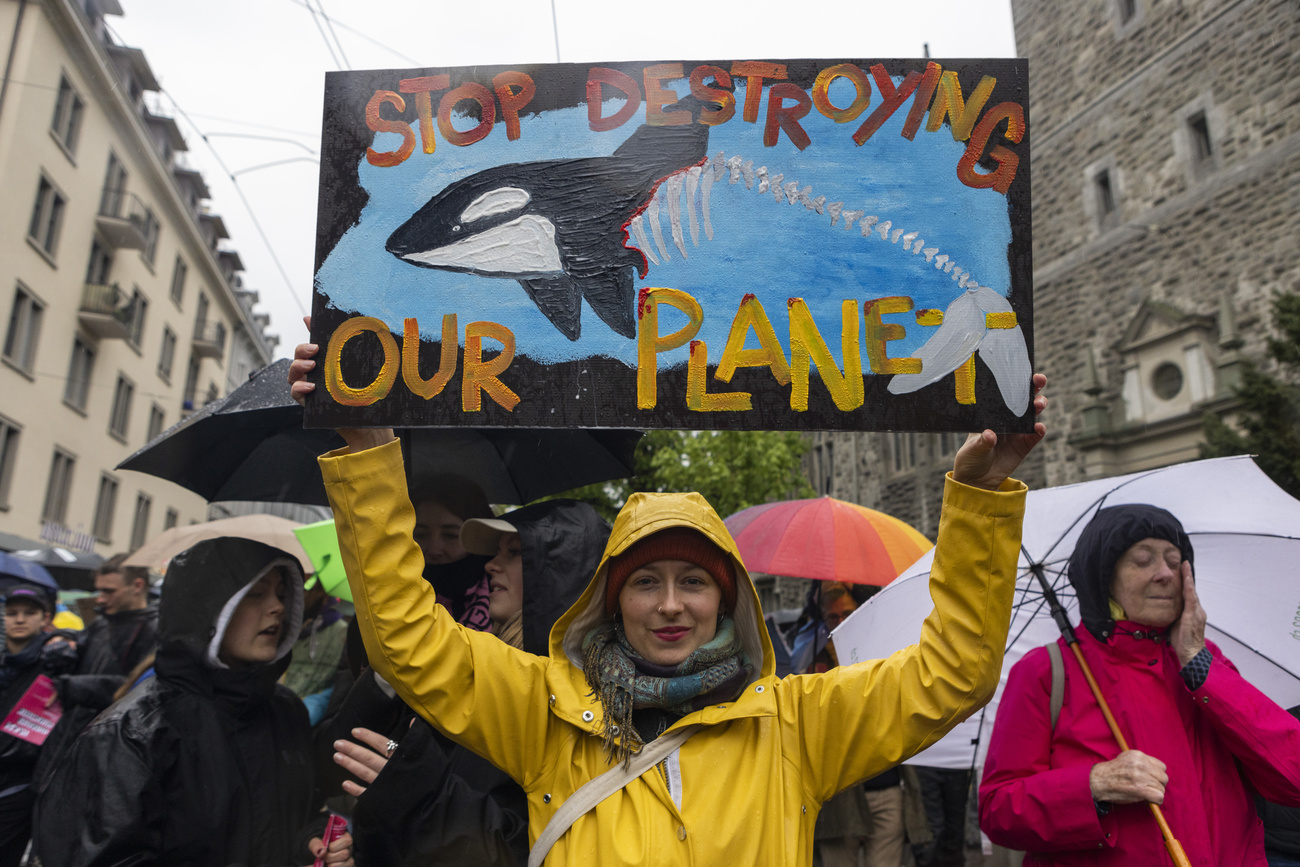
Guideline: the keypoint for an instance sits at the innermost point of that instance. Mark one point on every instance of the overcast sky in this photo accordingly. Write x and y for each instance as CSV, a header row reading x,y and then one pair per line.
x,y
242,69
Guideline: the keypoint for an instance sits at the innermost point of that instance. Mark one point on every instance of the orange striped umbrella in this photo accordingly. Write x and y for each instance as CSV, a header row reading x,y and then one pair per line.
x,y
825,539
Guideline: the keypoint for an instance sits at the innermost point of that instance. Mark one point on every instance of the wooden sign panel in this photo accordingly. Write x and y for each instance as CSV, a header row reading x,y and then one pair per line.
x,y
797,244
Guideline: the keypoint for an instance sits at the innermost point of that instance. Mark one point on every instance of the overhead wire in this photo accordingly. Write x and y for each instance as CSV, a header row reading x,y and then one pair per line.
x,y
257,224
361,35
329,23
321,31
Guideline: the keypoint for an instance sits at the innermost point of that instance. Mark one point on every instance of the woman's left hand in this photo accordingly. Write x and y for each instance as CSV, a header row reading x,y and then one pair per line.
x,y
1188,634
339,853
986,460
364,760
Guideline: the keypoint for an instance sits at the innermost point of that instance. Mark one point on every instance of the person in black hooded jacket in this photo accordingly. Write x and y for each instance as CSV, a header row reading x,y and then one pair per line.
x,y
208,763
430,801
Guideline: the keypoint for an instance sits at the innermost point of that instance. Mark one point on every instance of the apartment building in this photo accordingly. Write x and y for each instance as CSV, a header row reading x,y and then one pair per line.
x,y
121,303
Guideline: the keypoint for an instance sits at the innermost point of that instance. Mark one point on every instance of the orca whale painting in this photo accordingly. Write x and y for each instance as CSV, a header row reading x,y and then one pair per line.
x,y
747,244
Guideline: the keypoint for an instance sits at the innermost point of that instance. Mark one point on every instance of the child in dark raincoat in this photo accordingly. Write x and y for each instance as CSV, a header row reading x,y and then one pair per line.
x,y
209,762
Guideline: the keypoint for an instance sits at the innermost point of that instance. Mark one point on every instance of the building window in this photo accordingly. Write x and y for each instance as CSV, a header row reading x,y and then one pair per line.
x,y
68,109
170,518
1167,381
151,229
105,505
904,447
191,384
55,509
156,417
77,389
121,414
1105,195
24,329
168,354
101,263
1198,129
47,216
201,314
8,457
178,280
949,443
139,307
140,521
110,201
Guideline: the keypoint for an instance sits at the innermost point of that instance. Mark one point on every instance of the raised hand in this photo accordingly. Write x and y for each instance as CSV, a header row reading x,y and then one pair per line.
x,y
1129,778
304,355
986,460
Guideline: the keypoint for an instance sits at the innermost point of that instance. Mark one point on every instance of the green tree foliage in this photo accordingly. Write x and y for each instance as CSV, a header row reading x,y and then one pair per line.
x,y
1269,418
732,469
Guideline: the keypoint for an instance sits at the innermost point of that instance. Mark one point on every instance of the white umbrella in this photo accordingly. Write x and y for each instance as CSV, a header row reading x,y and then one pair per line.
x,y
269,529
1246,534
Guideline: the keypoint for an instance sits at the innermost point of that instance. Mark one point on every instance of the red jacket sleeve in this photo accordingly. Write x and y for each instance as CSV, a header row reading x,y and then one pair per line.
x,y
1024,802
1263,737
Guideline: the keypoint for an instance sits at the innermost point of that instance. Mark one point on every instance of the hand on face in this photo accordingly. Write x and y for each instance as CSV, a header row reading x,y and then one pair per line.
x,y
506,579
1148,583
256,627
670,609
1188,634
1129,778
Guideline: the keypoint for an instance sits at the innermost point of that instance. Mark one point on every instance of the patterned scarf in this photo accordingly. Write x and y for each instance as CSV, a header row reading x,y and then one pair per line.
x,y
624,681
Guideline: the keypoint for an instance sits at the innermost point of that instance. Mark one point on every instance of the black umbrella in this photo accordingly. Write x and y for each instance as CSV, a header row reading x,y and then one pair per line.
x,y
73,570
250,445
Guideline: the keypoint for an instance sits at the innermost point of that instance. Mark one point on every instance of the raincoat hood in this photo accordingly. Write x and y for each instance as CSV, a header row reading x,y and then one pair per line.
x,y
205,584
1108,535
643,515
561,542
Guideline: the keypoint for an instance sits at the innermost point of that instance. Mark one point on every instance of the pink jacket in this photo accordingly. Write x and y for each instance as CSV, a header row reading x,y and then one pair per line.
x,y
1218,742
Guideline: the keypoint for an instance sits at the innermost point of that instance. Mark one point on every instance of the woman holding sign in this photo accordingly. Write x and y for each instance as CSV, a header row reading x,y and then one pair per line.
x,y
660,680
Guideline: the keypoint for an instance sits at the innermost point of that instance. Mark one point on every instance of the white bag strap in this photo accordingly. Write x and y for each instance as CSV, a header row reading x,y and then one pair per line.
x,y
596,790
1058,681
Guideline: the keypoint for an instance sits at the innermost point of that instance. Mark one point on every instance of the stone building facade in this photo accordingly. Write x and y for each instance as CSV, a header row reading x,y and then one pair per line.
x,y
1166,205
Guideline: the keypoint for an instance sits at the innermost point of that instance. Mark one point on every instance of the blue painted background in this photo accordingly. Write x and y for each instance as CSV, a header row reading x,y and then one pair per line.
x,y
774,250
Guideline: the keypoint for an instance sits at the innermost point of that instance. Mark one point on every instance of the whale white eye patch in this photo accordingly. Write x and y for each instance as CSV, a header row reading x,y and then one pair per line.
x,y
499,201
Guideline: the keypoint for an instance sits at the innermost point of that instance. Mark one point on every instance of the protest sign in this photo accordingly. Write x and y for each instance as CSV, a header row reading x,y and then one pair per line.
x,y
35,714
789,244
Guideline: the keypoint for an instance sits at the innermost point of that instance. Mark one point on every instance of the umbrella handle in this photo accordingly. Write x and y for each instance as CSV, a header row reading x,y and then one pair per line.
x,y
1172,846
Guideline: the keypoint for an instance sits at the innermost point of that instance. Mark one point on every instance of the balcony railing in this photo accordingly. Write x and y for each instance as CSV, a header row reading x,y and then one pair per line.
x,y
122,219
106,311
210,339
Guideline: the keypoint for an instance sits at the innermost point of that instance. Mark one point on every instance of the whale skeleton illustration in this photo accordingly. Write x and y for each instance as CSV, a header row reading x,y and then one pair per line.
x,y
695,184
982,321
559,226
965,325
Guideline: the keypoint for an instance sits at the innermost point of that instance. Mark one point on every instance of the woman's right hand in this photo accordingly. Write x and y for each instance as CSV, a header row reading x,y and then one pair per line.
x,y
304,362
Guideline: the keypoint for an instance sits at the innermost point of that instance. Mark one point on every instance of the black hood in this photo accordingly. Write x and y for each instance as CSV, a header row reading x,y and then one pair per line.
x,y
562,542
204,584
1108,535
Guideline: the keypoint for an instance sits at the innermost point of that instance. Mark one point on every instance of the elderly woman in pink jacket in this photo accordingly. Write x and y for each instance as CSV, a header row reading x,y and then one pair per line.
x,y
1202,739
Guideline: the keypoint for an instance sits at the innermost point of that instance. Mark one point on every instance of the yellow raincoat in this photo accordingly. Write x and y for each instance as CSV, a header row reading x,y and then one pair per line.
x,y
746,788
